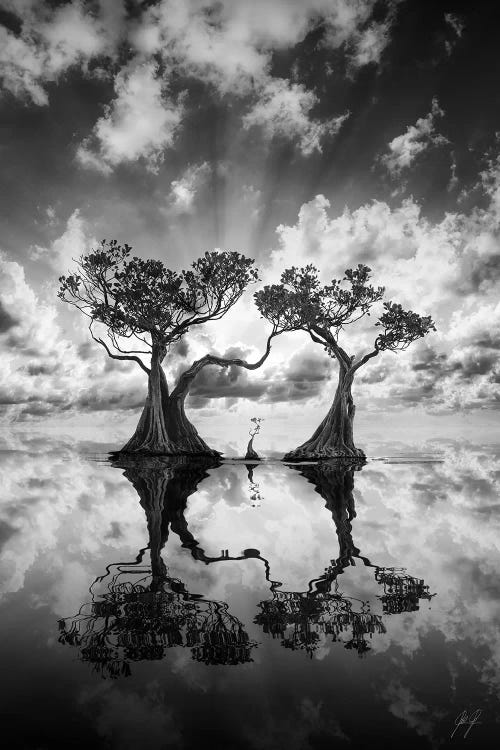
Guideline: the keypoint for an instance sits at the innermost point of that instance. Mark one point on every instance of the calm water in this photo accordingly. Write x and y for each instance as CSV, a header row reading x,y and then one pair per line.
x,y
232,606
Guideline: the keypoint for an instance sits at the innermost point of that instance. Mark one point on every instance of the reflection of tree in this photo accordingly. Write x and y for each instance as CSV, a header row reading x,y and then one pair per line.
x,y
299,618
254,487
143,611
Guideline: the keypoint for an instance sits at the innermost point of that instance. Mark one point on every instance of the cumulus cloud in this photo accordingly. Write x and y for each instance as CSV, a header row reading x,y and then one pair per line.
x,y
368,45
75,241
301,377
53,40
182,196
43,372
226,45
284,109
229,44
404,149
435,268
141,122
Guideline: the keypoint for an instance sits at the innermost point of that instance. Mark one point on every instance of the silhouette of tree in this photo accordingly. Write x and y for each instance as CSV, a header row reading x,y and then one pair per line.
x,y
253,431
299,302
144,304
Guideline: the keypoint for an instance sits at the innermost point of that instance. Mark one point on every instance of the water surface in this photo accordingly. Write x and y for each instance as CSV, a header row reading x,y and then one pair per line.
x,y
248,606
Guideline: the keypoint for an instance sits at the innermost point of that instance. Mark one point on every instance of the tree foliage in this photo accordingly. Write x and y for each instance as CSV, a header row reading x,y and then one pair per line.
x,y
144,299
300,302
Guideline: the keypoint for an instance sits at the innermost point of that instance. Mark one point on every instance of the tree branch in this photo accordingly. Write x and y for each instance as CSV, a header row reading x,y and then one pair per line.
x,y
130,357
365,359
211,359
329,340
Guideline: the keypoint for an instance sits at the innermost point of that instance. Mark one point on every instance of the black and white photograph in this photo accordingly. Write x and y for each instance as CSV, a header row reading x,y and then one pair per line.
x,y
249,374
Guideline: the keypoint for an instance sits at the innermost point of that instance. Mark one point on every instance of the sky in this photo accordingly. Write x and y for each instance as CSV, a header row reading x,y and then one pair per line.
x,y
332,132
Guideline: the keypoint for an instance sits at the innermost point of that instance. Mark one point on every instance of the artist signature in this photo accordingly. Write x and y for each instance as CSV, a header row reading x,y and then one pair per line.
x,y
467,720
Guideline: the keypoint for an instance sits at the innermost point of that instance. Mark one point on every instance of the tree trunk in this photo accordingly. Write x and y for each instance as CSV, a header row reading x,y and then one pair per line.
x,y
251,455
334,437
163,427
181,431
151,436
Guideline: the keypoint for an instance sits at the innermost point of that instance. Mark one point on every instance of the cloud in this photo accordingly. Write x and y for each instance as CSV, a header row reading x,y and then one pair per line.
x,y
183,191
225,45
76,240
36,330
283,109
404,149
457,25
140,123
229,44
300,378
368,45
436,268
43,373
7,321
53,40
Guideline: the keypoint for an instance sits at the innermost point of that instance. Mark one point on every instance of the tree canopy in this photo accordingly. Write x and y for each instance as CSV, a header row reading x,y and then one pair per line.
x,y
143,300
300,302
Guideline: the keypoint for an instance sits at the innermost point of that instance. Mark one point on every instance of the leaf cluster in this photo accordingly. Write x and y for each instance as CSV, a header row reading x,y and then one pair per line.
x,y
299,302
134,297
401,327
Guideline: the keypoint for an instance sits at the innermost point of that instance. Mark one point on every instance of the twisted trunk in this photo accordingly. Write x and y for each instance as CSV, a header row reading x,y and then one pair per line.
x,y
182,433
151,436
251,454
334,436
164,428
